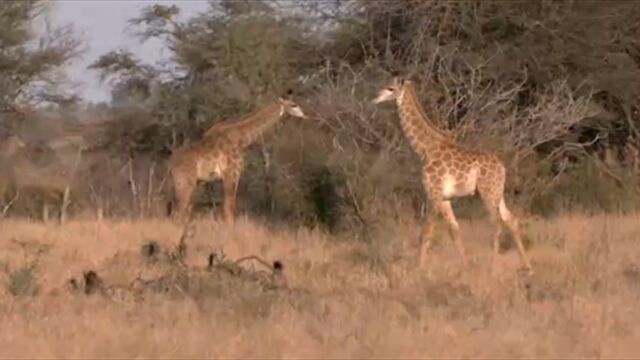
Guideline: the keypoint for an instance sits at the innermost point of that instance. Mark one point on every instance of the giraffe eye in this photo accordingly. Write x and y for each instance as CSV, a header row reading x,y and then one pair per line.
x,y
390,89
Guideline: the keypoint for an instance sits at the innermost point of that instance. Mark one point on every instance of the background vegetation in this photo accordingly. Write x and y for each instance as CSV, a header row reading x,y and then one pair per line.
x,y
554,86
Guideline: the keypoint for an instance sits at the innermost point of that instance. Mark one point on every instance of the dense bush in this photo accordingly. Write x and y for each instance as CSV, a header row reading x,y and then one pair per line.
x,y
553,86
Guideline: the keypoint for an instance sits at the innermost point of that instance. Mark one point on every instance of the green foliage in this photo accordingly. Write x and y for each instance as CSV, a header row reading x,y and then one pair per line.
x,y
23,65
155,18
131,80
548,84
590,188
324,198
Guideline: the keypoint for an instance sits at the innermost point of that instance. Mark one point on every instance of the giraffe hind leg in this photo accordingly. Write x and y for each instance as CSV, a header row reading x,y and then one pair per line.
x,y
230,184
512,223
491,203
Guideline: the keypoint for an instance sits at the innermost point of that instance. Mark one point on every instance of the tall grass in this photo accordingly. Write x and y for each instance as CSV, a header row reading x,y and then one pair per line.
x,y
345,298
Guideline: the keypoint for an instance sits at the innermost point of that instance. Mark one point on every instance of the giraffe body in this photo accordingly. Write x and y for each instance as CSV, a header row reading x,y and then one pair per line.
x,y
451,171
219,155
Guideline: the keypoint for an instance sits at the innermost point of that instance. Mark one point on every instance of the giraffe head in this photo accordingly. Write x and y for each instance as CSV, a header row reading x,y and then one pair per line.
x,y
392,91
290,107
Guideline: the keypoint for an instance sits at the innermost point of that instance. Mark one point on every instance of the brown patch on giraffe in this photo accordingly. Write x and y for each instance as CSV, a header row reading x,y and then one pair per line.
x,y
429,168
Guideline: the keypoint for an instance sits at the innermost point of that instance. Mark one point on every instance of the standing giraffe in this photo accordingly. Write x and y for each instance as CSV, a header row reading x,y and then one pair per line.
x,y
450,171
220,154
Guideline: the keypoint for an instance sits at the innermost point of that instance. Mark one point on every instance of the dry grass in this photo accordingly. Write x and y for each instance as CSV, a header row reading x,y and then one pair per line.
x,y
344,299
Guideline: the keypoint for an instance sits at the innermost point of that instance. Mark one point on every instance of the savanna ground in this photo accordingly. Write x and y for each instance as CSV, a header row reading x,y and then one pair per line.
x,y
344,299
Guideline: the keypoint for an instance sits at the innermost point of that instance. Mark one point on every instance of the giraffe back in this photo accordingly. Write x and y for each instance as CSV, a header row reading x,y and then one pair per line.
x,y
454,171
209,158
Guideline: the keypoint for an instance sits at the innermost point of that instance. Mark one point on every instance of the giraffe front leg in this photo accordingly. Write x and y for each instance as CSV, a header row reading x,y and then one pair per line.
x,y
183,206
426,236
230,183
445,209
183,193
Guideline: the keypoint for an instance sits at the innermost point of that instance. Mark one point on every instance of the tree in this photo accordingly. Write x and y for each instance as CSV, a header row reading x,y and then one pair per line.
x,y
550,84
131,81
30,74
28,63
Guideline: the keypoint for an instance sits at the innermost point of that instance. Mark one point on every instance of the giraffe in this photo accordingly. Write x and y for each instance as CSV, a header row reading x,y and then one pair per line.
x,y
451,171
219,155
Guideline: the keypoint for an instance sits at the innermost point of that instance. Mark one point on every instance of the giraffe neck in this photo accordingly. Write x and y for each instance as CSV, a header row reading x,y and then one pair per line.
x,y
248,129
422,133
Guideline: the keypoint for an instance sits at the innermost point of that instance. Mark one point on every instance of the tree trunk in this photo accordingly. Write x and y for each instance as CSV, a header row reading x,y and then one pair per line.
x,y
65,205
45,212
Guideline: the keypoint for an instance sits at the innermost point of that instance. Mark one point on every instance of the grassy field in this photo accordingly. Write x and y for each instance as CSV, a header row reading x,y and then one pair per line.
x,y
344,299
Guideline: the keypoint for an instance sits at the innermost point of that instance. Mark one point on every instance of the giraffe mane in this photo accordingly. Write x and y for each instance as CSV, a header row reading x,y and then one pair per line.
x,y
243,120
411,93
